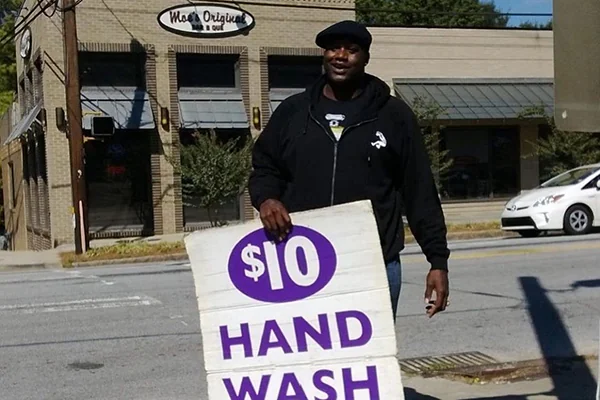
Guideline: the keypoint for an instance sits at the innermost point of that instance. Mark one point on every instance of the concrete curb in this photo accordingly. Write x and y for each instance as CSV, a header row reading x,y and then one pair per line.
x,y
130,260
20,267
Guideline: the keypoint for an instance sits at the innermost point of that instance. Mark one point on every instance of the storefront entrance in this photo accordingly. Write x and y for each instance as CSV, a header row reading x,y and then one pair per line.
x,y
118,180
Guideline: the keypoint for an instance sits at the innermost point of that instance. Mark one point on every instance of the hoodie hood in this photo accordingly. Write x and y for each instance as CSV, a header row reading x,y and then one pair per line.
x,y
376,90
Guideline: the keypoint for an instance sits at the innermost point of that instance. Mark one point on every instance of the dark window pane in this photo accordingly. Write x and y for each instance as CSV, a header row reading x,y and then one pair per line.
x,y
505,152
293,72
469,175
201,70
118,178
112,69
486,162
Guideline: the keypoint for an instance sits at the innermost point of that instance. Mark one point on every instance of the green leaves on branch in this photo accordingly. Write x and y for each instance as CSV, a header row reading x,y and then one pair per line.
x,y
430,13
428,113
214,171
561,150
8,69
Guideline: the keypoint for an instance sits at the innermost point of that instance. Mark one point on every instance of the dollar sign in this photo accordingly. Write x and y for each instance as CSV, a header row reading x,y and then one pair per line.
x,y
257,267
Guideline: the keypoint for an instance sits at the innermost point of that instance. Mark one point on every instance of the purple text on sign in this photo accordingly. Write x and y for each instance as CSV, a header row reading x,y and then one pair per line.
x,y
273,338
291,388
292,270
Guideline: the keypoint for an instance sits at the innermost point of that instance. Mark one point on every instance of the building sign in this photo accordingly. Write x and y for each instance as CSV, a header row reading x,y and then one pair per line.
x,y
25,44
206,20
307,318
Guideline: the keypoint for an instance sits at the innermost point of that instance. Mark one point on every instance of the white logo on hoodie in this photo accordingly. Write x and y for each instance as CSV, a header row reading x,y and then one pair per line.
x,y
382,142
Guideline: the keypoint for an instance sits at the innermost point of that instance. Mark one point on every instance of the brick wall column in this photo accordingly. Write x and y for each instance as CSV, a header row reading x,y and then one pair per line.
x,y
162,161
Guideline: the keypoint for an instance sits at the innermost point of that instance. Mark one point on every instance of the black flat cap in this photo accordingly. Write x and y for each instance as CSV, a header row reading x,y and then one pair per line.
x,y
345,30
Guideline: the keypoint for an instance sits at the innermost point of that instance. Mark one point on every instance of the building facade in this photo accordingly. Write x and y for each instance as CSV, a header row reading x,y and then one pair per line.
x,y
483,80
161,72
167,70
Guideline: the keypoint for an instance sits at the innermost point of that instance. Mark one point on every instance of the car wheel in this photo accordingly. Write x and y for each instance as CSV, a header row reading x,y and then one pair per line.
x,y
530,233
578,220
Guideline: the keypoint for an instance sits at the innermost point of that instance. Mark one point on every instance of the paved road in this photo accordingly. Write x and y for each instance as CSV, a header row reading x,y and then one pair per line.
x,y
131,332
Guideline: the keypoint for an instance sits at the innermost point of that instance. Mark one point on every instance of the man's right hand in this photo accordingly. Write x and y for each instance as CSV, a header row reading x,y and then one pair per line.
x,y
275,218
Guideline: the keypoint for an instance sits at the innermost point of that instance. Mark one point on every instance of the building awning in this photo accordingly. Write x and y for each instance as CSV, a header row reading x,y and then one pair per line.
x,y
278,95
470,98
206,108
24,124
129,106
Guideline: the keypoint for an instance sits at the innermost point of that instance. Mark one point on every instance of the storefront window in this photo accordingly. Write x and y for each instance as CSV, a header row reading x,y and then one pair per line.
x,y
294,71
118,179
207,70
112,69
117,167
208,73
486,162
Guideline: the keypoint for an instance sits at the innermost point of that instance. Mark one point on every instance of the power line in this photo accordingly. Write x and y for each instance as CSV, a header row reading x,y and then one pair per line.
x,y
332,8
18,24
18,30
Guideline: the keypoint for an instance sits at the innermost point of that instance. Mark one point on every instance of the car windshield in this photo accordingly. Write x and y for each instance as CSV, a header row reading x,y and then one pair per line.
x,y
571,177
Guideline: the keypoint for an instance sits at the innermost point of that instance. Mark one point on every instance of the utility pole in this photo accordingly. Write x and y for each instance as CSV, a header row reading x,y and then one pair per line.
x,y
78,185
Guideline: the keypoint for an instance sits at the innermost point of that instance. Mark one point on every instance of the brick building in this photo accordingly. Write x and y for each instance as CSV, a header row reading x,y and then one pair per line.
x,y
161,71
159,83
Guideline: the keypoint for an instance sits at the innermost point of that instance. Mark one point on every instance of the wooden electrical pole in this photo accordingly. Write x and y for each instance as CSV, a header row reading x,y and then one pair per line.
x,y
78,185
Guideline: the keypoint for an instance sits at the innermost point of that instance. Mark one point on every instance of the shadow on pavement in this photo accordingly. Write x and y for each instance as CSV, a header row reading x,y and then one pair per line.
x,y
412,394
555,342
591,283
576,383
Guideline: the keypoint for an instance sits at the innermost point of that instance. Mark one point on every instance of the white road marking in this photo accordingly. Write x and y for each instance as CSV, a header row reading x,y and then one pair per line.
x,y
79,275
84,304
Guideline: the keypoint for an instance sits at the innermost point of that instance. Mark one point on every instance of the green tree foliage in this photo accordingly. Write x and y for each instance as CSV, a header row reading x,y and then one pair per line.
x,y
562,150
1,199
215,171
420,13
428,112
8,70
536,25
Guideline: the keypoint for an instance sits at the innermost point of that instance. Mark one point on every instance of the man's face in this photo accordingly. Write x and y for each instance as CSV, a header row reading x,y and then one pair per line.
x,y
344,61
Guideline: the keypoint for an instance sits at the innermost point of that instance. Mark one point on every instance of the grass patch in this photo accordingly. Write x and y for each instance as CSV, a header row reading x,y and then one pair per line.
x,y
469,227
122,251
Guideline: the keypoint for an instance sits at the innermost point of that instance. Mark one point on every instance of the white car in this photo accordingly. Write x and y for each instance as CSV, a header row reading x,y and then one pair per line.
x,y
569,202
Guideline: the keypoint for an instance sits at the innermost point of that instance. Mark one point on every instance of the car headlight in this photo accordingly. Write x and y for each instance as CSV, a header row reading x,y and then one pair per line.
x,y
544,201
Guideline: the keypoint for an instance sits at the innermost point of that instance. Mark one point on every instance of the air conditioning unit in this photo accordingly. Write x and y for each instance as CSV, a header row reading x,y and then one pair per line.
x,y
103,126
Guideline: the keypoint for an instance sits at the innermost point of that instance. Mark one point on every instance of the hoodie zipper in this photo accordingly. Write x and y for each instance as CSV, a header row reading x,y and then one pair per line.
x,y
335,147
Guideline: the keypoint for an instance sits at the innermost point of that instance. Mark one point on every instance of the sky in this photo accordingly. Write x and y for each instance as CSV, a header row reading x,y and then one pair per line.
x,y
525,6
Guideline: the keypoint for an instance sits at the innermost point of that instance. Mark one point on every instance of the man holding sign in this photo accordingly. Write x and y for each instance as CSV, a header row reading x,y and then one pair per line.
x,y
347,139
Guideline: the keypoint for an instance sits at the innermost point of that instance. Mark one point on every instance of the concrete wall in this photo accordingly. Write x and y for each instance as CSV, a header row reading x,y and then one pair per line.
x,y
460,53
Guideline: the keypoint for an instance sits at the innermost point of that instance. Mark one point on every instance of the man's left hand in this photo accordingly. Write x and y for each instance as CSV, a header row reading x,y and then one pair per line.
x,y
437,280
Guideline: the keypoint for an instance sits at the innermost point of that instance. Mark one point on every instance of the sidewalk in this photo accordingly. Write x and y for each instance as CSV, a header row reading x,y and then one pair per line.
x,y
564,386
50,258
29,259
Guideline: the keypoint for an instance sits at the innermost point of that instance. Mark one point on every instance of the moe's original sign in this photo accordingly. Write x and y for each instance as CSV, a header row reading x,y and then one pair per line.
x,y
206,20
307,318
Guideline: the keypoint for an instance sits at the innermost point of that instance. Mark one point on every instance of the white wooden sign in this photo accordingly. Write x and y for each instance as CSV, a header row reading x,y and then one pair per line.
x,y
307,318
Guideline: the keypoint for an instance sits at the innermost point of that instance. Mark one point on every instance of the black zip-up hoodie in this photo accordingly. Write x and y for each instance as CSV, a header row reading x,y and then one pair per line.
x,y
380,157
